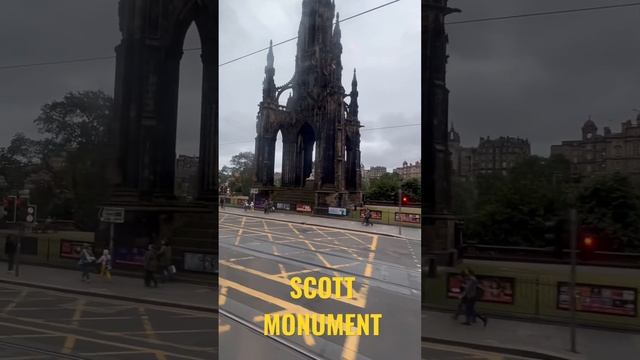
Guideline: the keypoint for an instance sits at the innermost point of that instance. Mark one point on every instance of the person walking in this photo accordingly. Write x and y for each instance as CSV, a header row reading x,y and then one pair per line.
x,y
105,264
462,303
164,260
473,291
10,249
150,267
86,262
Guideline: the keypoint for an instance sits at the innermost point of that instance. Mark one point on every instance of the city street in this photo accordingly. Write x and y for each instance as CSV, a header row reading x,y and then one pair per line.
x,y
103,329
432,351
258,255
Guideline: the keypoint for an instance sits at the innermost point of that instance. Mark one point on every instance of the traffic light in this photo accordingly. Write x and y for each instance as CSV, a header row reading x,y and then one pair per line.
x,y
31,214
9,204
405,200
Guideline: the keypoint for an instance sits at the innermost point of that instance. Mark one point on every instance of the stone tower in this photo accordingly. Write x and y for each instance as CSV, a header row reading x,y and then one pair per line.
x,y
315,122
438,225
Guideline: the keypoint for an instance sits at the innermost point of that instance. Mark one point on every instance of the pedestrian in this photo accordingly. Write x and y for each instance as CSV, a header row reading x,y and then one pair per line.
x,y
266,206
150,267
221,202
164,260
252,206
473,291
367,217
10,249
86,262
105,264
246,205
461,309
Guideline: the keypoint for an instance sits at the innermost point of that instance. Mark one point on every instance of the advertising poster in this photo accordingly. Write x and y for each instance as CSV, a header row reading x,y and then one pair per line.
x,y
600,299
375,214
283,206
130,255
408,218
303,208
337,211
200,262
71,249
497,289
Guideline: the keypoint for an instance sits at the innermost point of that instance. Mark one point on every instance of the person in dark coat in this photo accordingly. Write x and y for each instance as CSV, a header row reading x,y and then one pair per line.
x,y
150,267
165,257
10,249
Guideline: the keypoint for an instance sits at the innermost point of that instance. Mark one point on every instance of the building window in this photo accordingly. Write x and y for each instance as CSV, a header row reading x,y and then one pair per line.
x,y
617,150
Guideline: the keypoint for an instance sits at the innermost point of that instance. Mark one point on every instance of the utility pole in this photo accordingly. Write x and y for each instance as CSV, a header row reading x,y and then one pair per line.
x,y
572,278
400,211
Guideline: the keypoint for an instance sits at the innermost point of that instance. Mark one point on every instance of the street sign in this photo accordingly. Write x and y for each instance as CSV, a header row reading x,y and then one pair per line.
x,y
112,215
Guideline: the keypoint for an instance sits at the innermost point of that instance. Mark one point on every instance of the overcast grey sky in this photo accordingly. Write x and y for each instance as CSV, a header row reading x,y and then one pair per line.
x,y
538,78
383,45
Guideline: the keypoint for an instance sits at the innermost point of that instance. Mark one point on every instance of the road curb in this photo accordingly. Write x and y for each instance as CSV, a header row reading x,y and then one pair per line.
x,y
497,349
164,303
327,226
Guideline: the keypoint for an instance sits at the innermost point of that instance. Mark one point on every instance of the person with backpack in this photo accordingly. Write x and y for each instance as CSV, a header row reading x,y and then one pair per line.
x,y
150,267
165,258
473,292
86,262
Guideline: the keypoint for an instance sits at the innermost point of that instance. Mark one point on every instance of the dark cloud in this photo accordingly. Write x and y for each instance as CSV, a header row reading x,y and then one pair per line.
x,y
541,77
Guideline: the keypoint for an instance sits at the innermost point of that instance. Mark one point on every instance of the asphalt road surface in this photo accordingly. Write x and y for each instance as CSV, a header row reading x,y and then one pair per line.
x,y
40,324
259,256
431,351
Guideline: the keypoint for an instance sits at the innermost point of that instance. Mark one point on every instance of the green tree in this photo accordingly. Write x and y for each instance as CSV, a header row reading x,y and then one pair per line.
x,y
384,188
242,170
515,209
76,128
610,205
412,189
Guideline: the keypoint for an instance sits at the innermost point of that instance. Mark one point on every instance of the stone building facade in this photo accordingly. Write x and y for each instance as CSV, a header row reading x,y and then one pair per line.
x,y
499,155
491,156
186,177
609,152
409,171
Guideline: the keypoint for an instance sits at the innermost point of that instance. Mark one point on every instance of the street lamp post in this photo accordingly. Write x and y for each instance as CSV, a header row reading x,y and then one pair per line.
x,y
400,212
572,278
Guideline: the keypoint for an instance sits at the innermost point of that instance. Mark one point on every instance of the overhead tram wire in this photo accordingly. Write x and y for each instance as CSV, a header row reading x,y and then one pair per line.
x,y
99,58
365,129
480,20
543,13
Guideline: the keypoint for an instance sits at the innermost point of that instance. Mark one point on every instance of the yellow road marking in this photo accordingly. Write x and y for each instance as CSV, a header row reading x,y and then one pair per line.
x,y
223,328
292,238
70,341
222,297
100,341
148,330
15,301
350,348
283,272
355,238
357,300
295,230
240,231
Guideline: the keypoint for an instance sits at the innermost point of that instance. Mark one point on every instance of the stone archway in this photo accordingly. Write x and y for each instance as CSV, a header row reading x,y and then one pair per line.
x,y
146,97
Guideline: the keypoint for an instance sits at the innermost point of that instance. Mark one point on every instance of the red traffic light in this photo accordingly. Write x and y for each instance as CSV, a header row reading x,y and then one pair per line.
x,y
588,242
405,200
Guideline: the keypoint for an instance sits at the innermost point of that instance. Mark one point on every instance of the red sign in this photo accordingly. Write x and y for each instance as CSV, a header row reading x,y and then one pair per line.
x,y
375,214
497,289
408,218
71,249
601,299
303,208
